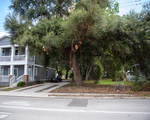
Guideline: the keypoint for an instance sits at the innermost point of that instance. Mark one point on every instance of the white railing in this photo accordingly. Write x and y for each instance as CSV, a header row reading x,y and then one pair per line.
x,y
12,80
20,79
5,58
19,57
4,78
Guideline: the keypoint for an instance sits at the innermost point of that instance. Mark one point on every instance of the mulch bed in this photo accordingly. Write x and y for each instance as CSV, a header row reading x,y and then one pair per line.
x,y
99,89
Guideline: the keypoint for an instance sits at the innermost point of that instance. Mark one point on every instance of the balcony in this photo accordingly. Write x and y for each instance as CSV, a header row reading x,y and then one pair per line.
x,y
4,78
5,58
19,57
8,58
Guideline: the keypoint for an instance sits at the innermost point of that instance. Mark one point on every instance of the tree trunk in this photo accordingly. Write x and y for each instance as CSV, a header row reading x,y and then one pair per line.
x,y
60,5
61,15
76,71
67,73
87,72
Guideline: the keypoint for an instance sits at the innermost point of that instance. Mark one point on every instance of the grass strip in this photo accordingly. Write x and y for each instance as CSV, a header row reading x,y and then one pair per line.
x,y
9,89
109,82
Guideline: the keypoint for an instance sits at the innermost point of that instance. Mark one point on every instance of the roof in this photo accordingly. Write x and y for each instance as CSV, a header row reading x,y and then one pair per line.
x,y
4,35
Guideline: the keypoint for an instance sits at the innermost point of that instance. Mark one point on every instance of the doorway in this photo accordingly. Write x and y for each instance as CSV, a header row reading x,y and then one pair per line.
x,y
16,73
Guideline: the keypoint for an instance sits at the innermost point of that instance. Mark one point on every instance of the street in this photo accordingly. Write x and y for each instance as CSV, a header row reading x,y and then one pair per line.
x,y
28,108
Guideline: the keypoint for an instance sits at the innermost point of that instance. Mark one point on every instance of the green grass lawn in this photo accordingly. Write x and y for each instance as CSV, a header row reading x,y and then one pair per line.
x,y
108,81
9,89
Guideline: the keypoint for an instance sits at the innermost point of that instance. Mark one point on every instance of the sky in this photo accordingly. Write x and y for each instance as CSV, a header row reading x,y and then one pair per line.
x,y
124,7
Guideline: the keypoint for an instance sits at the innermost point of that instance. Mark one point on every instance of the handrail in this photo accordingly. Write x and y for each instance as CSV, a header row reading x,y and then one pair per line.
x,y
20,78
12,80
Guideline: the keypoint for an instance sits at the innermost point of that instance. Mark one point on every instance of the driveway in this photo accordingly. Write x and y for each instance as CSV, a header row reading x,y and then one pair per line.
x,y
40,90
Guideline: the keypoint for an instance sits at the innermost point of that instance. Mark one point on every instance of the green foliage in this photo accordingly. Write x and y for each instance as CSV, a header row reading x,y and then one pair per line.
x,y
94,73
97,82
32,9
119,41
108,81
141,84
21,84
71,75
39,81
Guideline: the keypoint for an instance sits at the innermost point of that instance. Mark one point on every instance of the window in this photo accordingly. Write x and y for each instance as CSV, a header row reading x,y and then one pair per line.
x,y
9,52
36,71
29,71
3,52
8,71
2,70
46,73
17,51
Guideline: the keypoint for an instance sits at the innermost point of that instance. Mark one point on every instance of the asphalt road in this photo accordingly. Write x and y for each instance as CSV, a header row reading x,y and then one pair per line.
x,y
26,108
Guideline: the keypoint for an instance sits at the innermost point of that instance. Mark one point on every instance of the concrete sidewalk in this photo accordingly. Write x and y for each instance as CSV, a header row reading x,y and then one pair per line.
x,y
38,90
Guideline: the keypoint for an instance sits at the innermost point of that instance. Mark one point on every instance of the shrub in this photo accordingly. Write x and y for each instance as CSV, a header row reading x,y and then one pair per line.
x,y
141,84
97,82
21,84
96,73
39,81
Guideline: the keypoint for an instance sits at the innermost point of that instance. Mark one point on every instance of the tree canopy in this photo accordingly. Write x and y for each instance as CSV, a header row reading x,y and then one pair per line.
x,y
90,27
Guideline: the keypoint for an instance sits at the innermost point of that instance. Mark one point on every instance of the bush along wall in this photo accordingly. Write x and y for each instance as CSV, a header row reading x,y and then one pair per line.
x,y
21,84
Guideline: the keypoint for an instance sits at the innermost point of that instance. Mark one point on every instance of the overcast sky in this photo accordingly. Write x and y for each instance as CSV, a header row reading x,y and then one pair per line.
x,y
124,7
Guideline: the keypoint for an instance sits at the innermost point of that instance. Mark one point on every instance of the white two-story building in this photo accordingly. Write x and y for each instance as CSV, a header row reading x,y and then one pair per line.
x,y
17,66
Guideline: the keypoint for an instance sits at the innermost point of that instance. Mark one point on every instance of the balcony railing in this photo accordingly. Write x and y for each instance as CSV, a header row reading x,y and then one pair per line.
x,y
19,57
5,58
4,78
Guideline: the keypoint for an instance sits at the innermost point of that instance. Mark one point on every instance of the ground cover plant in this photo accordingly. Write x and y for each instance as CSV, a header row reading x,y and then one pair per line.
x,y
108,81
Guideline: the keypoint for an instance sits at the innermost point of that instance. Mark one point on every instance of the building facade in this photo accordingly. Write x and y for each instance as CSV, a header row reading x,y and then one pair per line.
x,y
17,66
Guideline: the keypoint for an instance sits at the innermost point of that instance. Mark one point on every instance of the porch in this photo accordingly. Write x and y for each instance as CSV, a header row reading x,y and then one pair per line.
x,y
15,73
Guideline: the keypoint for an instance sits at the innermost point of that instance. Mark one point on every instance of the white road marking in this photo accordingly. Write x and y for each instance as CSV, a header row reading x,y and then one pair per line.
x,y
5,113
3,116
84,111
17,103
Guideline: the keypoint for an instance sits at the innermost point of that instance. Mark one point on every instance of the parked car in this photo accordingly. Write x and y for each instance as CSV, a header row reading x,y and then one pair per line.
x,y
56,79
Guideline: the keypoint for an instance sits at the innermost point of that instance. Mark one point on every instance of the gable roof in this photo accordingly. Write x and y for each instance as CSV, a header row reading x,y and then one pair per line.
x,y
4,37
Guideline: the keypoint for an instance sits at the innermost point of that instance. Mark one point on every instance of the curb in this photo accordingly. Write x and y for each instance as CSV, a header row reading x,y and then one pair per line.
x,y
102,98
94,96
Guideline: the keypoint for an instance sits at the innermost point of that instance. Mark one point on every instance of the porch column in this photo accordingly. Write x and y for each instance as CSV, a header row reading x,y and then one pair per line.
x,y
33,71
11,73
12,70
0,71
12,53
26,54
26,76
34,59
